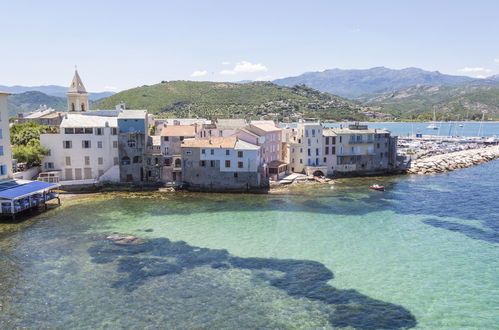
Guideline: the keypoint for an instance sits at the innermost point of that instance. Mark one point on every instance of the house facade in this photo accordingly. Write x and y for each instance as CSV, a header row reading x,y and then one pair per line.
x,y
329,142
85,147
305,149
5,151
219,164
361,150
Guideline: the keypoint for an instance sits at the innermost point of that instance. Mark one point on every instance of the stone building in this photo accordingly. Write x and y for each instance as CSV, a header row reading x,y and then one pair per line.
x,y
361,150
77,95
221,164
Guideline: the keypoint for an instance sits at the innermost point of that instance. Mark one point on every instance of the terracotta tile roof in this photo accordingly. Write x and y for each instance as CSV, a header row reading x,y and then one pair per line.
x,y
178,130
266,127
216,142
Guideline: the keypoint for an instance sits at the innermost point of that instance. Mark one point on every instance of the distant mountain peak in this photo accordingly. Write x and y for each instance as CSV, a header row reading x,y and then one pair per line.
x,y
355,82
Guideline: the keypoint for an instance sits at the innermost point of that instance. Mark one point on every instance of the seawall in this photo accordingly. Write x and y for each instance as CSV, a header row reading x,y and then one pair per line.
x,y
453,160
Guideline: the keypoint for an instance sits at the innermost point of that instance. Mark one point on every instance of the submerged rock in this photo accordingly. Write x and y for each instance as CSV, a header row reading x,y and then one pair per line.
x,y
125,239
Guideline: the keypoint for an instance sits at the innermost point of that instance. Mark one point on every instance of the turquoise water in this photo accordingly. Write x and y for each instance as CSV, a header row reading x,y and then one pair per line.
x,y
424,254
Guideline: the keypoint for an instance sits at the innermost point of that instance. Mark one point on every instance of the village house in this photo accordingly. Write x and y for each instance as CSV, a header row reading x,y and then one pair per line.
x,y
220,128
42,115
160,123
360,150
171,141
85,147
268,137
305,149
329,142
221,164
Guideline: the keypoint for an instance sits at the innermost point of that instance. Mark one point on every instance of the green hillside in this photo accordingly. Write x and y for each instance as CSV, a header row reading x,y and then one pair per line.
x,y
450,102
251,100
29,101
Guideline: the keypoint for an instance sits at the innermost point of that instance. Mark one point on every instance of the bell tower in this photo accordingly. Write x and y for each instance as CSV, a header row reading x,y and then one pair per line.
x,y
77,95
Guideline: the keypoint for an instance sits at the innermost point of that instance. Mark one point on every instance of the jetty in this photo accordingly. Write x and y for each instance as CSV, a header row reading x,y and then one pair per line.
x,y
453,160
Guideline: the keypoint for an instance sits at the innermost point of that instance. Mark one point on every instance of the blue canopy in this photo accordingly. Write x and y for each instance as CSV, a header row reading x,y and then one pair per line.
x,y
16,189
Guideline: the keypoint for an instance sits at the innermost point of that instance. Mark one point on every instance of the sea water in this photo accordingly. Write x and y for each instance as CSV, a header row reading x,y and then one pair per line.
x,y
422,254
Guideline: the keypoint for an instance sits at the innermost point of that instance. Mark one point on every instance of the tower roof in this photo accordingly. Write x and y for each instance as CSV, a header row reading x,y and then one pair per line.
x,y
77,85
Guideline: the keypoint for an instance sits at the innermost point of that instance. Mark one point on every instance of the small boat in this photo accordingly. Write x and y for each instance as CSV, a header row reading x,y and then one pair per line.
x,y
377,187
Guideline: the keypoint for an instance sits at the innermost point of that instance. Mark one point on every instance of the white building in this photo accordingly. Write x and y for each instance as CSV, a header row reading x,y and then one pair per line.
x,y
5,152
85,148
305,149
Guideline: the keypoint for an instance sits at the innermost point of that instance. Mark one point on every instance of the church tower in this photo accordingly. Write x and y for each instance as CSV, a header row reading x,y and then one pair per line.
x,y
77,95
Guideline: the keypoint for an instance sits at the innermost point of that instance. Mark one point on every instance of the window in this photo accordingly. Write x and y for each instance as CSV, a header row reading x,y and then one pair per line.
x,y
48,152
227,152
168,162
115,161
79,130
1,150
87,160
3,169
212,152
69,130
99,144
235,174
178,162
340,139
85,144
317,151
68,161
114,131
115,144
203,151
181,138
49,165
308,152
166,139
125,161
100,160
99,131
334,140
131,143
326,151
202,163
188,152
325,160
212,163
333,150
327,139
301,161
227,163
240,154
67,144
88,130
240,165
138,159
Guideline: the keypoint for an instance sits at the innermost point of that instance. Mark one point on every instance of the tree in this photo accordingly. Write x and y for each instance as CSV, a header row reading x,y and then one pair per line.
x,y
32,153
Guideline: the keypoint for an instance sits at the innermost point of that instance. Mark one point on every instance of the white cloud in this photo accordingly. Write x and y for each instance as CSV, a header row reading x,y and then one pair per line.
x,y
225,63
474,69
199,73
245,67
496,60
480,76
110,88
356,30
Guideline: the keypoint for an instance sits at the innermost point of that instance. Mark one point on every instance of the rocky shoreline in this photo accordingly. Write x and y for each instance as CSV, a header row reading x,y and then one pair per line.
x,y
453,160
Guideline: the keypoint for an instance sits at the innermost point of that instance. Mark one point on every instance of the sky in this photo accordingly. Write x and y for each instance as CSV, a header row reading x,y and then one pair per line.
x,y
118,45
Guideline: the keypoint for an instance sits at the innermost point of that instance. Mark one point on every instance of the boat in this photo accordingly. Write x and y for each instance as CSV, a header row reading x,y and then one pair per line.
x,y
377,187
433,124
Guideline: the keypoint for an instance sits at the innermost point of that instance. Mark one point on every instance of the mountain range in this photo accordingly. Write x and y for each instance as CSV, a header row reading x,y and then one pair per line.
x,y
52,90
406,94
354,83
235,100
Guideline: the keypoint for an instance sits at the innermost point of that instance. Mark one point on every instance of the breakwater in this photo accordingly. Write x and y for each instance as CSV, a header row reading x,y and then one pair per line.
x,y
453,160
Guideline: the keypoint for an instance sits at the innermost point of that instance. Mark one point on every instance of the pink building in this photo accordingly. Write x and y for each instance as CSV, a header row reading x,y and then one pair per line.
x,y
269,138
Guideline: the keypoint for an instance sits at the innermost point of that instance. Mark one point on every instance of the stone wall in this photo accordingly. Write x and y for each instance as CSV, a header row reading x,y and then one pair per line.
x,y
453,160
